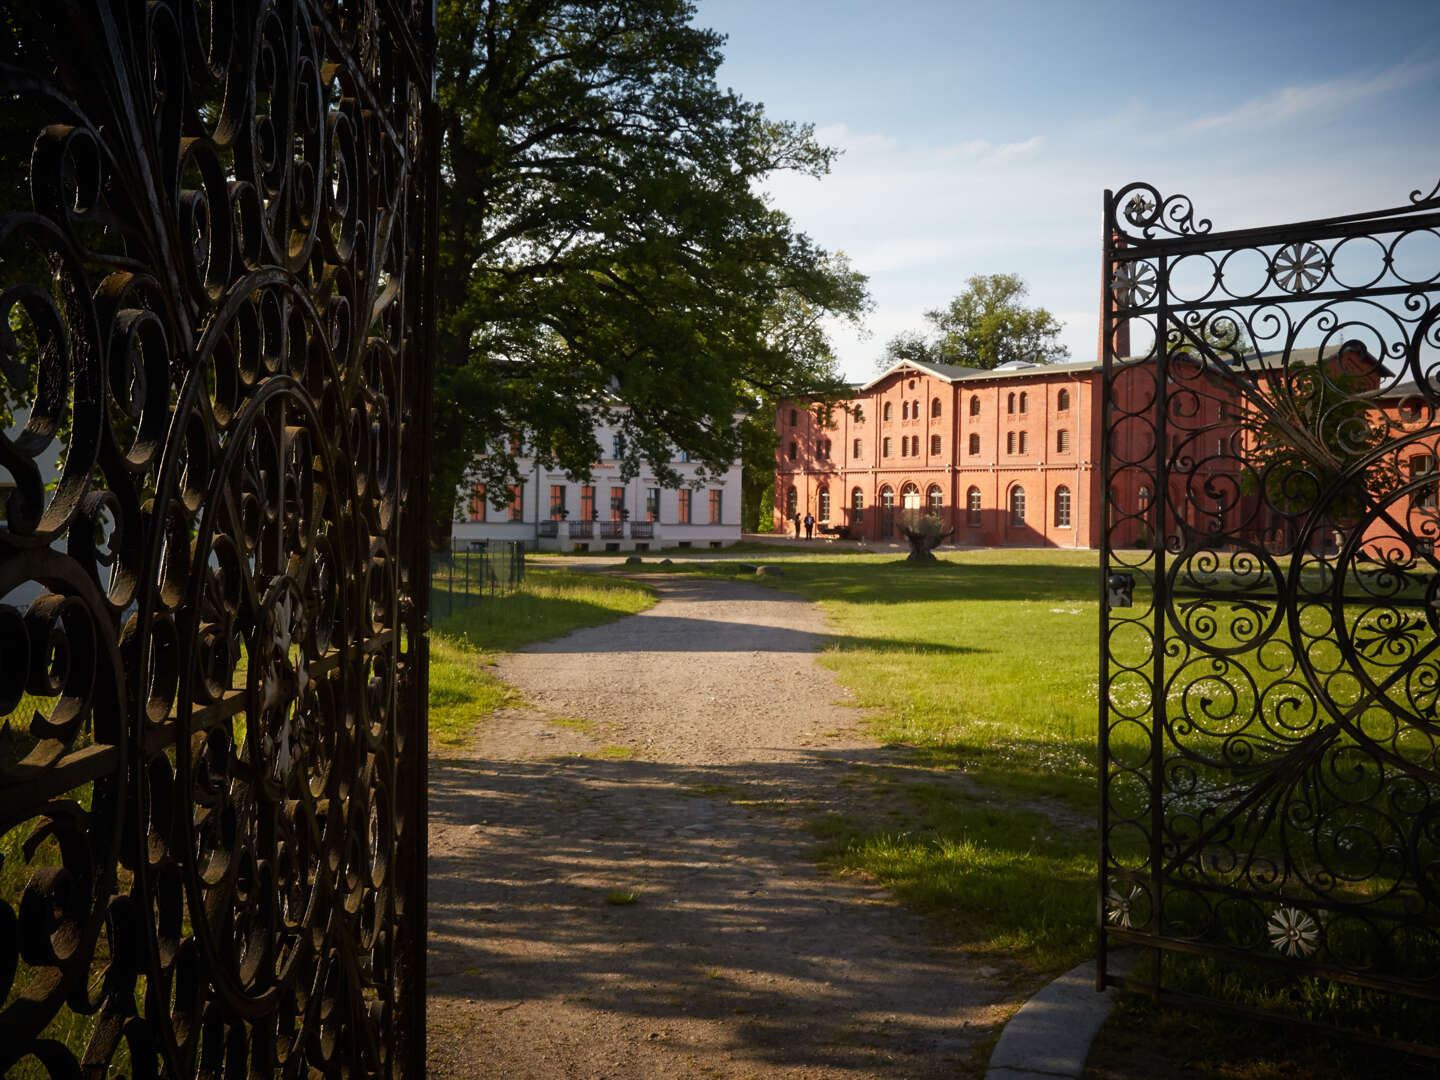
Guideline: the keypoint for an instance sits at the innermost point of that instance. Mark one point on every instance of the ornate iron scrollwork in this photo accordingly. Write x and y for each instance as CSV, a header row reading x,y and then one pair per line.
x,y
216,230
1269,690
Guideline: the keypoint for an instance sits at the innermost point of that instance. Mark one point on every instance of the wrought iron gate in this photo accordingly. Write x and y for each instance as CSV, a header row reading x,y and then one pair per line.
x,y
1271,665
216,228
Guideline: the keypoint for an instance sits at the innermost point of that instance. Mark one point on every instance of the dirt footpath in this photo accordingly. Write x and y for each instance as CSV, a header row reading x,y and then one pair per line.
x,y
598,915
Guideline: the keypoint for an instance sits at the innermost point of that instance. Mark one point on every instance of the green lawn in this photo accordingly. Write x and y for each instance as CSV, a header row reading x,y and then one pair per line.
x,y
984,666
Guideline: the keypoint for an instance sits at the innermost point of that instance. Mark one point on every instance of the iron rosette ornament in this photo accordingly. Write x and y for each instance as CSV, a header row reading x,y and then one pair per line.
x,y
211,472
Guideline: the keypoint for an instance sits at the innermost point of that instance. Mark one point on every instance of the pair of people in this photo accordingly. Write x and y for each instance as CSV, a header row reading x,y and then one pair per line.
x,y
809,524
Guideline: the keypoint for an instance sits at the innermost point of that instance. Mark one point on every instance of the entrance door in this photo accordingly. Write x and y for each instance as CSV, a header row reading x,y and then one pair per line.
x,y
887,513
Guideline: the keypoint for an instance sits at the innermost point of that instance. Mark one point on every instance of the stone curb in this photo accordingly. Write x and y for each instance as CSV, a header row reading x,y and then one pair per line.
x,y
1051,1034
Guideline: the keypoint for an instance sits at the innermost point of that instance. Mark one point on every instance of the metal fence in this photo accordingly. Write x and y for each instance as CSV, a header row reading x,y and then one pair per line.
x,y
1270,792
473,571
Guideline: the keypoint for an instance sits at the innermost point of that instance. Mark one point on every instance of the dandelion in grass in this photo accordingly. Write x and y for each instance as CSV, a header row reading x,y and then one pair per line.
x,y
1119,906
1293,932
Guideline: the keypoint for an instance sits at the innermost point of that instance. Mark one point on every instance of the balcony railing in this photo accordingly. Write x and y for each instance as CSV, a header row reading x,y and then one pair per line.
x,y
612,530
582,530
548,528
642,530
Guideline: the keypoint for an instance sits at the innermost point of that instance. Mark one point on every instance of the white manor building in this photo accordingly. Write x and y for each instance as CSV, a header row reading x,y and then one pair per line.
x,y
552,511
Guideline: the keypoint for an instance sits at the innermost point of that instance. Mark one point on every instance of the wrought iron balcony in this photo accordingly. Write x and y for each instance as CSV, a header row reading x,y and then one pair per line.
x,y
612,530
642,530
582,530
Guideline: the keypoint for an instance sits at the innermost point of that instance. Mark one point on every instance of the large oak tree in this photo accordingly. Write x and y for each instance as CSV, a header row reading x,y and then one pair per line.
x,y
606,252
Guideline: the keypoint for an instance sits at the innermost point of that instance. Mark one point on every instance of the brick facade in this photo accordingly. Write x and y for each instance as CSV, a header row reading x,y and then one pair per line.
x,y
948,436
986,449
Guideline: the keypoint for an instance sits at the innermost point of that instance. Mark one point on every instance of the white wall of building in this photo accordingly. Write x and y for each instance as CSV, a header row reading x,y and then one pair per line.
x,y
487,523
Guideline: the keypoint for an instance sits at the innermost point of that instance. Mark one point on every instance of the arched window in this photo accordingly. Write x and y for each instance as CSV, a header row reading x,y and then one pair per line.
x,y
910,497
1062,401
824,499
915,445
887,497
935,499
1144,498
934,444
792,502
1024,442
972,506
974,444
1062,507
885,447
1010,443
904,410
792,449
857,500
915,409
1023,401
935,406
974,404
887,411
904,445
1010,404
1062,441
1017,506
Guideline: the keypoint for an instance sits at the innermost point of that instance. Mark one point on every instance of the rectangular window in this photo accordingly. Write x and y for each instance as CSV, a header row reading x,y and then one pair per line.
x,y
477,503
557,501
885,448
855,449
617,502
652,504
682,515
715,496
684,456
587,503
617,446
517,502
1424,498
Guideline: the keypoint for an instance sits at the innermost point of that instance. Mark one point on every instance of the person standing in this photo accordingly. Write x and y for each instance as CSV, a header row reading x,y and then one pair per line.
x,y
809,525
796,518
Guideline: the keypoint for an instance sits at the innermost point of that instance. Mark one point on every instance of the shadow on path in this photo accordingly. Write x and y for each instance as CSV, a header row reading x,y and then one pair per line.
x,y
736,951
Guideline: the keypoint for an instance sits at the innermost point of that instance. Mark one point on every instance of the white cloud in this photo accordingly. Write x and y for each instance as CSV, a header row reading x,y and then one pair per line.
x,y
1290,102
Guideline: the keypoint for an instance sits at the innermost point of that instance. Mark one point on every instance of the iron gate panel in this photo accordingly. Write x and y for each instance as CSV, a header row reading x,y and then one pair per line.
x,y
216,230
1270,666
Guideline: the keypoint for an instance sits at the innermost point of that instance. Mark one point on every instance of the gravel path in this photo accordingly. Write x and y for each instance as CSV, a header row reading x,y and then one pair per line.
x,y
736,958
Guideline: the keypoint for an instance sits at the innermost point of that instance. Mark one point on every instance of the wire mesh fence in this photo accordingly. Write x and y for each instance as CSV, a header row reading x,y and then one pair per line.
x,y
471,572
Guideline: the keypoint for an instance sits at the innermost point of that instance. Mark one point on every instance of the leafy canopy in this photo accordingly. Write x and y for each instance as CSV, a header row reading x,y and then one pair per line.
x,y
605,252
985,326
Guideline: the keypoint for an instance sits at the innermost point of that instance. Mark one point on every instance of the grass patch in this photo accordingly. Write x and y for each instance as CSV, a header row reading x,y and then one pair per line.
x,y
575,723
616,753
621,897
1002,879
550,604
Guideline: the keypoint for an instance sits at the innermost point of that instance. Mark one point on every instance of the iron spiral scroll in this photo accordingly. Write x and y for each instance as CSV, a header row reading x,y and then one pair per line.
x,y
1270,671
216,234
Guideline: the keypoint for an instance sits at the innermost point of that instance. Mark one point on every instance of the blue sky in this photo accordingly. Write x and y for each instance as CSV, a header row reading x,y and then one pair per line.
x,y
978,138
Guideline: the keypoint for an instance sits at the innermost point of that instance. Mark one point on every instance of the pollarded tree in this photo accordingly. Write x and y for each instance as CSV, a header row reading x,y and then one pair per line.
x,y
985,326
605,253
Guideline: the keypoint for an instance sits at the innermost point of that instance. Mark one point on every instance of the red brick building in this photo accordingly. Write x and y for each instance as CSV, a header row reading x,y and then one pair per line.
x,y
1011,457
1006,457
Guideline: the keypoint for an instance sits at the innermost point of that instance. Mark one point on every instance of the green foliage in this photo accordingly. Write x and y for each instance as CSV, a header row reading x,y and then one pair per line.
x,y
605,253
985,326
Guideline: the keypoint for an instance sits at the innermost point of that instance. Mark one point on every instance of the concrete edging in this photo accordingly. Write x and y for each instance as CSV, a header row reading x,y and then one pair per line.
x,y
1050,1036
